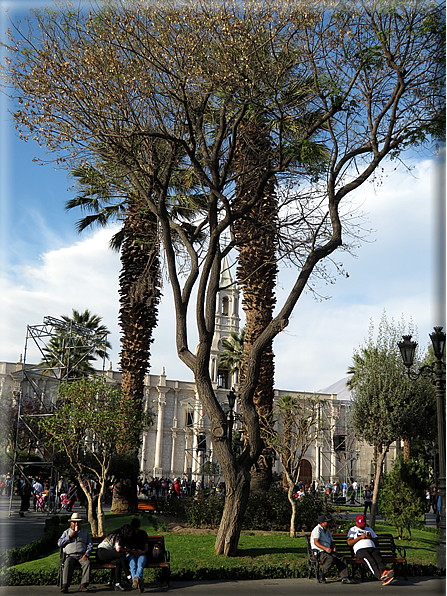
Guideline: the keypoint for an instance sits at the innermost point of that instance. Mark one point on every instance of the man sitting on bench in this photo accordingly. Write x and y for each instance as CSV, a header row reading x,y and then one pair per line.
x,y
77,546
364,541
321,540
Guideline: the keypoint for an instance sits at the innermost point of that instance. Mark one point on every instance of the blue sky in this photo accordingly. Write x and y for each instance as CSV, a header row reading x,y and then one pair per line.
x,y
48,269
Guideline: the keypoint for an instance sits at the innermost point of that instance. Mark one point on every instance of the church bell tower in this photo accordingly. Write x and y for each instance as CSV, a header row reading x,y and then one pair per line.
x,y
227,321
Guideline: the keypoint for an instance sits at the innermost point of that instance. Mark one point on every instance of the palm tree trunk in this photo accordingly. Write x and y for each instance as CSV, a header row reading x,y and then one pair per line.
x,y
139,297
256,236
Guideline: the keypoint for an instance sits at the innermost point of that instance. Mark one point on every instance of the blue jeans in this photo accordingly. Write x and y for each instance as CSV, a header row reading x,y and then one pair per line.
x,y
136,566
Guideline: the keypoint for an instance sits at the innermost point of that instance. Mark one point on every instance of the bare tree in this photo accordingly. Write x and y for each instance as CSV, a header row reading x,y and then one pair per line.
x,y
298,424
163,87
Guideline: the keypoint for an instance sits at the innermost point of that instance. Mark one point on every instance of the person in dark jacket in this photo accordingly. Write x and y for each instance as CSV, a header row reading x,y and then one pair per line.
x,y
112,550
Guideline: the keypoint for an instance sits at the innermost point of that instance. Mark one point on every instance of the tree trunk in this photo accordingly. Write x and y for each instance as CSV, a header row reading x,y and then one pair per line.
x,y
292,500
237,491
378,474
100,510
256,234
407,448
91,514
125,498
261,475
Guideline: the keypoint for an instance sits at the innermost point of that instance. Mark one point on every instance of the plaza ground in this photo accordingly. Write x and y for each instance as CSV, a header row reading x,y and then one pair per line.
x,y
16,531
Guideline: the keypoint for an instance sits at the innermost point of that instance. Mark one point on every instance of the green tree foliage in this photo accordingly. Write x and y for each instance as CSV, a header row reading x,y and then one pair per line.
x,y
387,406
76,346
402,496
86,427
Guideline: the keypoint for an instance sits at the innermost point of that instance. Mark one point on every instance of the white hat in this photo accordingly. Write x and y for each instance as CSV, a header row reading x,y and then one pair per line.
x,y
75,518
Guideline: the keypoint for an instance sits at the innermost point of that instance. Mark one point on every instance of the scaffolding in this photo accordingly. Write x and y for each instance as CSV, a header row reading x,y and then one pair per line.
x,y
338,447
36,386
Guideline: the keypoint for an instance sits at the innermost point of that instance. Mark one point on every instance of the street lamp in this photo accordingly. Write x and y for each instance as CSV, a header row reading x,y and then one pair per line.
x,y
231,397
436,372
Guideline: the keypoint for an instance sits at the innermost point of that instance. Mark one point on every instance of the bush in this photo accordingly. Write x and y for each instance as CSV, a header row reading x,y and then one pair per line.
x,y
402,500
308,508
204,511
269,511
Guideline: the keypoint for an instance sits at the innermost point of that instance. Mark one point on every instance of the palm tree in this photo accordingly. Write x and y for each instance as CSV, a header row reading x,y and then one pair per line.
x,y
232,355
139,290
257,242
76,345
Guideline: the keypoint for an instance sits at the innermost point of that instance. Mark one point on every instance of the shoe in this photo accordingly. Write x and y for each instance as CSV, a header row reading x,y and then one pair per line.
x,y
322,579
83,588
347,580
120,587
141,585
135,583
387,581
386,574
64,589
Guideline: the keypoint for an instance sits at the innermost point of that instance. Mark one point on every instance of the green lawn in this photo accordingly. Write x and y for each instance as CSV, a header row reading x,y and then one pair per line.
x,y
259,552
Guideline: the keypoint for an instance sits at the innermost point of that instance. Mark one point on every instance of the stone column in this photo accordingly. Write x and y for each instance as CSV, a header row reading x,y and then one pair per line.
x,y
158,469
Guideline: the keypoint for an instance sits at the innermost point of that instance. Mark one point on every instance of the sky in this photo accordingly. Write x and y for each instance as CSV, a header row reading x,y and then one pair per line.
x,y
47,268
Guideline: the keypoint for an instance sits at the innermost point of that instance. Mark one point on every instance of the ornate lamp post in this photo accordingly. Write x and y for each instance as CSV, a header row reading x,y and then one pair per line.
x,y
436,372
231,397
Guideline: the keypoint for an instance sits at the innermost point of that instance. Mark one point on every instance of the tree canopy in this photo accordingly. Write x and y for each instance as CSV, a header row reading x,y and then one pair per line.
x,y
155,88
387,406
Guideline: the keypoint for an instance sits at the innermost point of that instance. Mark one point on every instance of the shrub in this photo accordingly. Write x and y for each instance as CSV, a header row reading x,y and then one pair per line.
x,y
204,511
308,508
402,496
269,511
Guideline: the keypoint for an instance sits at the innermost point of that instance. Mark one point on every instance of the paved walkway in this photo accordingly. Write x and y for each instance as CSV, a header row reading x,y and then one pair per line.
x,y
415,586
16,531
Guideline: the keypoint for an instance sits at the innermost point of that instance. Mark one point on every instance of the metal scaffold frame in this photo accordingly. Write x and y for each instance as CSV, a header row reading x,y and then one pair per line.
x,y
340,461
39,384
198,428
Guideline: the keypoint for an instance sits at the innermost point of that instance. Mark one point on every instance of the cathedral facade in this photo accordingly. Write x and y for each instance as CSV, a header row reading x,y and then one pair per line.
x,y
179,444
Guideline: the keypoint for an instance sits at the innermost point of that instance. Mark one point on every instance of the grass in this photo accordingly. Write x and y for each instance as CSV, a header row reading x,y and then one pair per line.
x,y
263,555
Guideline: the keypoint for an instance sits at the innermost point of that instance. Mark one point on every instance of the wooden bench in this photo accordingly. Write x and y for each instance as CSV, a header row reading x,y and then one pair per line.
x,y
149,505
163,564
391,555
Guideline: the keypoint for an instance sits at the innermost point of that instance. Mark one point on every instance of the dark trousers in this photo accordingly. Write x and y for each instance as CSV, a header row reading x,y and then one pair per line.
x,y
367,504
69,564
372,558
333,559
106,555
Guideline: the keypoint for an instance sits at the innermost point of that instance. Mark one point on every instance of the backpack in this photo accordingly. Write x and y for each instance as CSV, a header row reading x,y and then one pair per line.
x,y
156,552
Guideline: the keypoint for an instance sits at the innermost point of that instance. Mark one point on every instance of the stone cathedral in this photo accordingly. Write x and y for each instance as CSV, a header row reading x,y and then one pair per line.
x,y
178,444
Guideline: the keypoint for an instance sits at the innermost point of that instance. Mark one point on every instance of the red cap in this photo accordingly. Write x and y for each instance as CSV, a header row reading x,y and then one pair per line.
x,y
361,521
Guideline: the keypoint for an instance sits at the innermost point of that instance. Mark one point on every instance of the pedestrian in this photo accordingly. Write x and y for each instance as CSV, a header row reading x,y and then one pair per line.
x,y
25,495
137,546
367,500
112,550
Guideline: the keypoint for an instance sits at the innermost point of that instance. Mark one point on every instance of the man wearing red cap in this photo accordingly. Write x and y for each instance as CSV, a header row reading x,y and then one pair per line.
x,y
365,543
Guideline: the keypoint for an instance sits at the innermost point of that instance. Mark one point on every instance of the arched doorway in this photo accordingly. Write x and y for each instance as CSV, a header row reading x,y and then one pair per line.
x,y
305,472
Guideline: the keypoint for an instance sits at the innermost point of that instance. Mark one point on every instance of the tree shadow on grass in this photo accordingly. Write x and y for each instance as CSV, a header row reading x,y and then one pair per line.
x,y
257,552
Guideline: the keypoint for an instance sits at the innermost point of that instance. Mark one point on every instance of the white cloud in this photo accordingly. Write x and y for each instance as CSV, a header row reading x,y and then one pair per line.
x,y
395,272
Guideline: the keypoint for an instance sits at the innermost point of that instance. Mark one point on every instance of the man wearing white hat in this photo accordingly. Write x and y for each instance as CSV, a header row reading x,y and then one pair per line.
x,y
77,546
